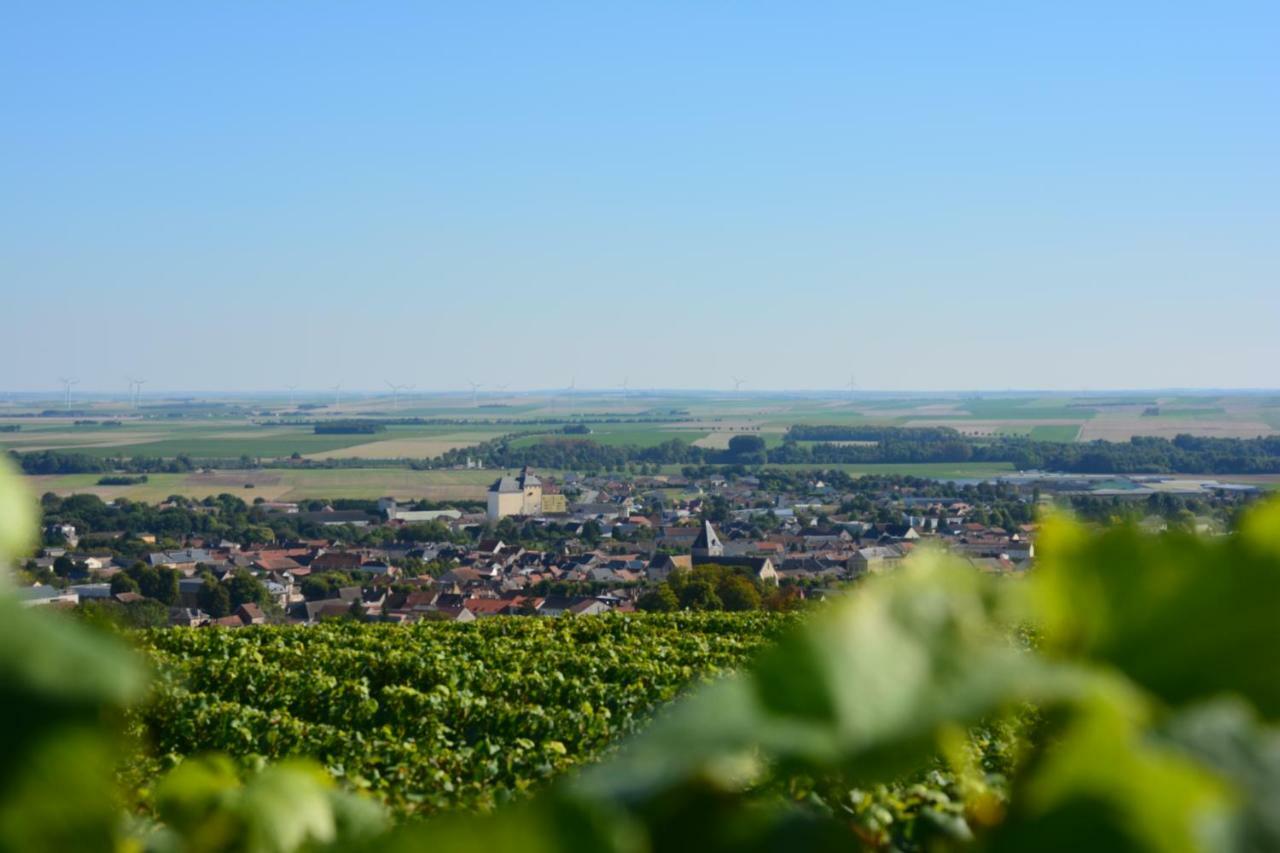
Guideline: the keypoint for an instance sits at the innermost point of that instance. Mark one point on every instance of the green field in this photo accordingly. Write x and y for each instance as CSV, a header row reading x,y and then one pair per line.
x,y
1056,432
622,435
274,484
1024,410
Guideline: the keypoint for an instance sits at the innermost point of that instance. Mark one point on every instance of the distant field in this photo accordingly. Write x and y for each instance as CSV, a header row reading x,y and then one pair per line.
x,y
285,484
1019,410
622,435
943,470
232,439
402,448
1056,432
991,427
225,429
1202,412
1122,428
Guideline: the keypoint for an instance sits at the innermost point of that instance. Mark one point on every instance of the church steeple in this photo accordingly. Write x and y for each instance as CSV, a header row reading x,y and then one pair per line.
x,y
708,543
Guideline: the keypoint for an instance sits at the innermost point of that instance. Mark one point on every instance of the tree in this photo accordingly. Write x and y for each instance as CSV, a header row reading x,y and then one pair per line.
x,y
160,584
660,599
715,508
322,586
747,449
738,593
145,614
430,531
121,582
214,598
63,566
699,594
246,589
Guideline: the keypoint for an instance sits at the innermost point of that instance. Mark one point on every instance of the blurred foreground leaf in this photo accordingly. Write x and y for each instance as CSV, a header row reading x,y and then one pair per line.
x,y
19,518
1186,617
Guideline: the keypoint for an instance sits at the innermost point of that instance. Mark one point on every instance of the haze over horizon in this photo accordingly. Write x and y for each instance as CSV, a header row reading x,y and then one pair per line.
x,y
950,198
371,393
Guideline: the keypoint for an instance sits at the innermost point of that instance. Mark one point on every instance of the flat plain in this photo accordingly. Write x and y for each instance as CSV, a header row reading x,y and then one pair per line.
x,y
269,428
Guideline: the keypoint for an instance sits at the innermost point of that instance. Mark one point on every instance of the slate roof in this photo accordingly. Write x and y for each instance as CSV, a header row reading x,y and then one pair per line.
x,y
708,538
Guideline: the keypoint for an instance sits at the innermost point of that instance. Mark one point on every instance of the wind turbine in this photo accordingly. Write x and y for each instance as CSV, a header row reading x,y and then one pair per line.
x,y
135,390
852,384
625,381
737,384
555,396
66,390
337,395
475,389
291,389
395,393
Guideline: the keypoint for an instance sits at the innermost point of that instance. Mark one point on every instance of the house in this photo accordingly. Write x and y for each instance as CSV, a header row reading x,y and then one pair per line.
x,y
184,560
875,559
448,614
588,607
91,590
336,561
189,591
519,494
484,607
661,567
32,596
66,531
394,512
275,565
760,568
250,614
556,605
187,617
330,517
904,532
325,608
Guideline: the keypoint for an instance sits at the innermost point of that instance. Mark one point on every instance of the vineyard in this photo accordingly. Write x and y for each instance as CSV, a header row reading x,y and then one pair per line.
x,y
431,716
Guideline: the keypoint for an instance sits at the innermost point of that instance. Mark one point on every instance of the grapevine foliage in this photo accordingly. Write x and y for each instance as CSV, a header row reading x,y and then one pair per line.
x,y
431,716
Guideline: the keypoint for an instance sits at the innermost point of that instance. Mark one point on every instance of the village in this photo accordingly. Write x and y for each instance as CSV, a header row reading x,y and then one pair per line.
x,y
533,551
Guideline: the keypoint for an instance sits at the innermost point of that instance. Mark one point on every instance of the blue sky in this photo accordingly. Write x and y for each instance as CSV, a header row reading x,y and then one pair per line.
x,y
931,195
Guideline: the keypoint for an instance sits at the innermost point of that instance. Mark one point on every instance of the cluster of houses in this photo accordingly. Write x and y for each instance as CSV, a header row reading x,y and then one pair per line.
x,y
648,528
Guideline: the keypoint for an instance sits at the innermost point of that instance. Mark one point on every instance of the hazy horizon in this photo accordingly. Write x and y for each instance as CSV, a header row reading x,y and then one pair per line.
x,y
942,197
57,393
